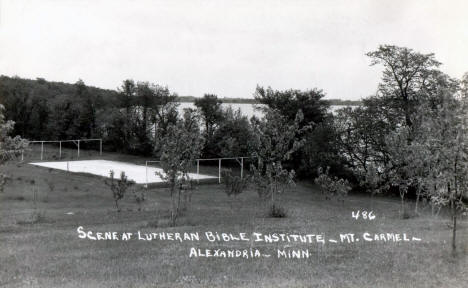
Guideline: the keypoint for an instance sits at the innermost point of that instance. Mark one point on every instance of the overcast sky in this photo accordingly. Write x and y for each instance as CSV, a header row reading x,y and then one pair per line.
x,y
226,47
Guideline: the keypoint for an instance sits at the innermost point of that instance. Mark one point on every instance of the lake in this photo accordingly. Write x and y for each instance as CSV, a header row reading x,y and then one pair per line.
x,y
246,109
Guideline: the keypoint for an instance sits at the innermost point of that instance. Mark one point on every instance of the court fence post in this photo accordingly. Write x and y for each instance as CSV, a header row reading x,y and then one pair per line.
x,y
198,170
219,171
146,171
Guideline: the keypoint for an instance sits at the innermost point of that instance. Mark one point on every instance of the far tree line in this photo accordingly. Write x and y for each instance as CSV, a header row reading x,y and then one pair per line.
x,y
409,139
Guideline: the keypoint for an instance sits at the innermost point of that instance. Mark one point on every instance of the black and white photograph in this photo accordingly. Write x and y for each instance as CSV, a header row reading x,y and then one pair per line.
x,y
233,143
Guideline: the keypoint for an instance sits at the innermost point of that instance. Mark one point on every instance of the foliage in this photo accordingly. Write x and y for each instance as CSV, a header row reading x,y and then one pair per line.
x,y
446,138
406,78
233,185
288,102
232,137
333,187
180,146
274,141
10,147
210,109
118,187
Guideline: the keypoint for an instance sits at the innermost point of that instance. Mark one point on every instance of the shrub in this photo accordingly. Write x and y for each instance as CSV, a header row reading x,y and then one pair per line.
x,y
276,211
332,187
233,185
119,187
139,196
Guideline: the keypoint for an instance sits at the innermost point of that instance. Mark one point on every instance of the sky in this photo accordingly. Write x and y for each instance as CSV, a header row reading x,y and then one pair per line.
x,y
226,47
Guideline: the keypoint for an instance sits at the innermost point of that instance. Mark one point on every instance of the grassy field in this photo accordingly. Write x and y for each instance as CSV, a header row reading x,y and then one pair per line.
x,y
41,209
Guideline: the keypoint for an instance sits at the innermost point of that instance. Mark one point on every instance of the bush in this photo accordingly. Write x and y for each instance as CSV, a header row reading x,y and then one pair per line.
x,y
276,211
119,187
233,185
332,187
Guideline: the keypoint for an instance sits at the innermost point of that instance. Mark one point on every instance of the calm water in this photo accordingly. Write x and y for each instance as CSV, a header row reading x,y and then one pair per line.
x,y
246,109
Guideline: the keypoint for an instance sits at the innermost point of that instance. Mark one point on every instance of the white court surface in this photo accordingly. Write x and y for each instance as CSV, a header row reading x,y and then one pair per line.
x,y
137,173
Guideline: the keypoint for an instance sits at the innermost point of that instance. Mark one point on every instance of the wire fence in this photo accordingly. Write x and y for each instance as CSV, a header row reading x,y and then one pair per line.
x,y
209,168
62,149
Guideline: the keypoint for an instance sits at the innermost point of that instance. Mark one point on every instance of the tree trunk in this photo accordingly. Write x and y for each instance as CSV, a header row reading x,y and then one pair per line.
x,y
416,205
117,205
454,232
173,216
402,196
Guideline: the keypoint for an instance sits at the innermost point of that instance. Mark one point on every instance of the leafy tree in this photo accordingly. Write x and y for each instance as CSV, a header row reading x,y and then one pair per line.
x,y
406,77
210,109
10,147
288,102
126,100
315,113
275,140
232,138
446,131
212,114
180,146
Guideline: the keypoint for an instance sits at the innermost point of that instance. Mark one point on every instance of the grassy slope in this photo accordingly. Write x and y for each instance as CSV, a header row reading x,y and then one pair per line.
x,y
46,252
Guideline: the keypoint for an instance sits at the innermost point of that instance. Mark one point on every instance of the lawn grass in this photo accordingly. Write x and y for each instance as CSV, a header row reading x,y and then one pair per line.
x,y
39,244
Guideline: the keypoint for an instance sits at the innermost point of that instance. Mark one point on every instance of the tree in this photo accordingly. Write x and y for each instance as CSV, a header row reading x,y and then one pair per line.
x,y
181,145
406,77
126,100
232,138
119,187
315,112
275,140
212,114
10,147
87,110
446,130
288,102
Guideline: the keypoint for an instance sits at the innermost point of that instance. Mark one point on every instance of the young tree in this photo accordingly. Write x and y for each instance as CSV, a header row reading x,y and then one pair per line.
x,y
446,131
119,187
181,145
275,140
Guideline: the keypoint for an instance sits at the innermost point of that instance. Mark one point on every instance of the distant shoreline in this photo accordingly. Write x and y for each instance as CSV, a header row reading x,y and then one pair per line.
x,y
334,102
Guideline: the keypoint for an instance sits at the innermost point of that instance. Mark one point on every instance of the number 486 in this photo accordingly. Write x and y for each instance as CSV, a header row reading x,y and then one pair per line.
x,y
363,214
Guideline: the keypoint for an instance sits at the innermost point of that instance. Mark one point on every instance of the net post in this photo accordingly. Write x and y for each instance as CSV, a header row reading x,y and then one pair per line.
x,y
100,147
22,155
60,149
219,171
78,149
198,170
146,171
42,150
